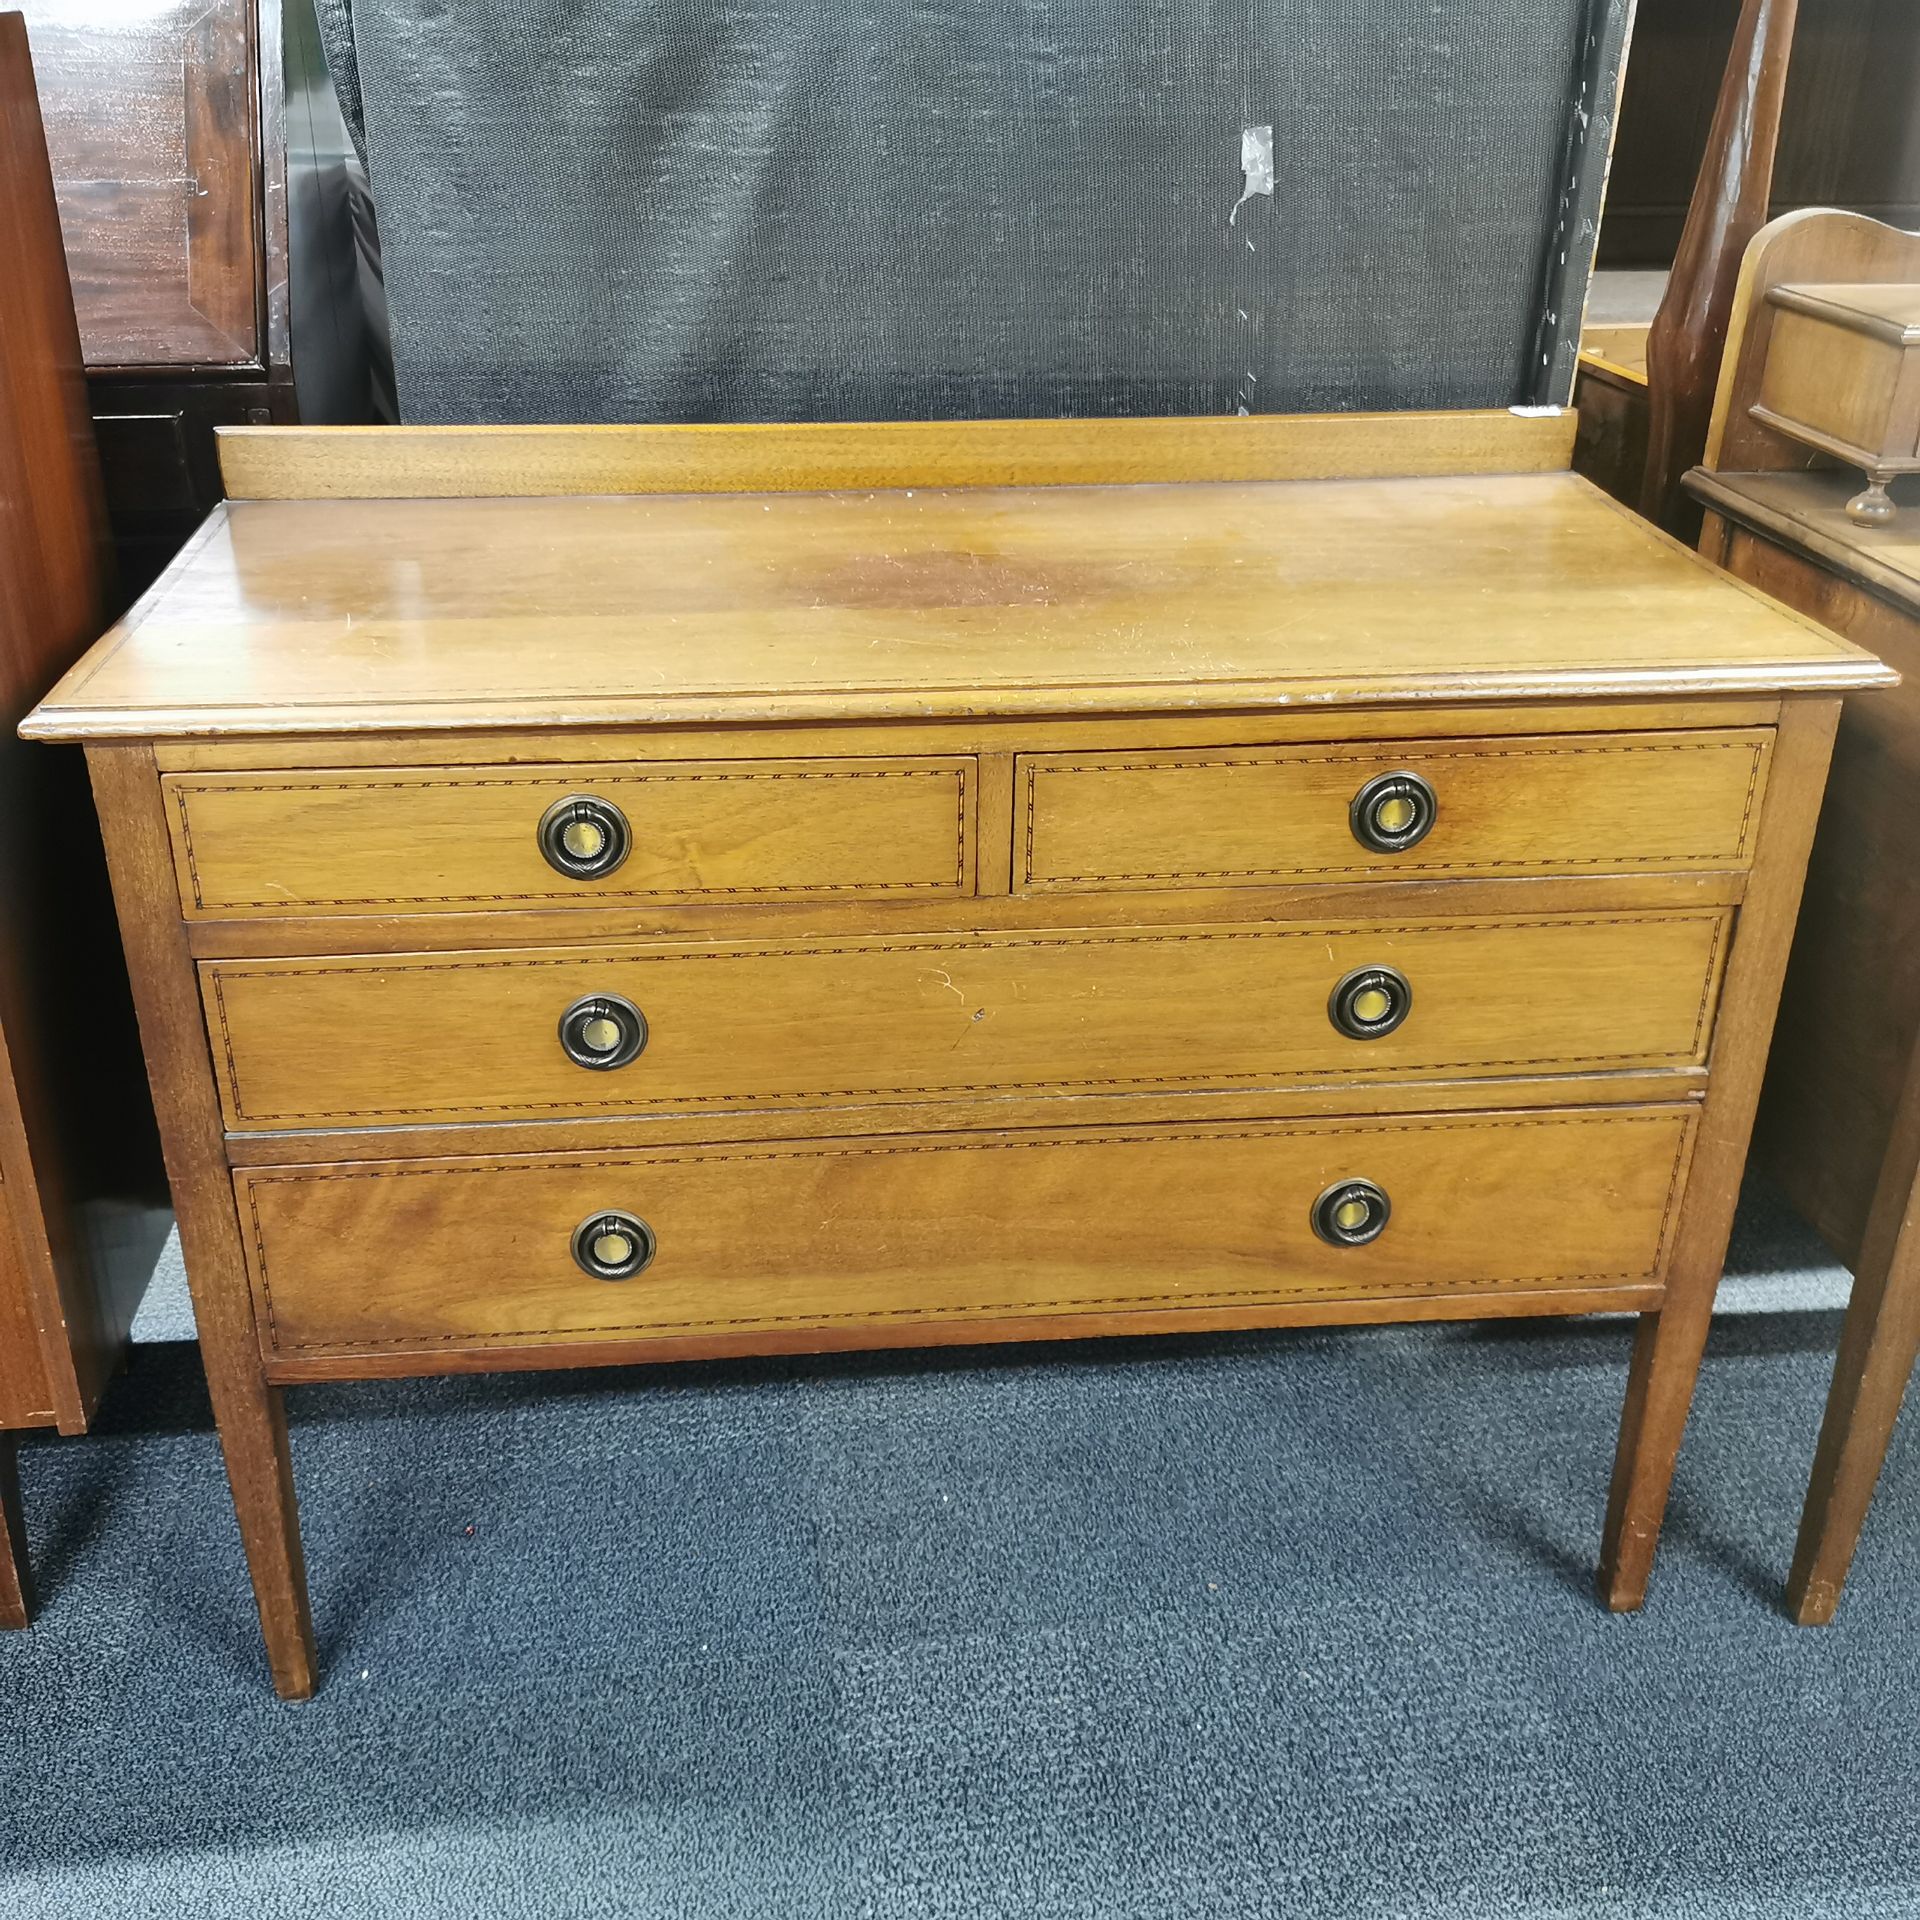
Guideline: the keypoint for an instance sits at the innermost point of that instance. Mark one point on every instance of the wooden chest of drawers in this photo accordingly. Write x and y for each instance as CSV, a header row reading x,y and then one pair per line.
x,y
659,905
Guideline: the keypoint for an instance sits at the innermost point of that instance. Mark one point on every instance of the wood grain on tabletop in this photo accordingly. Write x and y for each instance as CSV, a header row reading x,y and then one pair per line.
x,y
391,615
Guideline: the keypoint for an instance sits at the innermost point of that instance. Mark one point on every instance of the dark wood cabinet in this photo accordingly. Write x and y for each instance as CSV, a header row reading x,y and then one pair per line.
x,y
152,115
1849,135
164,127
80,1184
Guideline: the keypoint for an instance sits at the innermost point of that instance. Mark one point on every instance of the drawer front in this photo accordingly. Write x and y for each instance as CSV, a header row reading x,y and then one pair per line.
x,y
1260,816
770,1239
422,840
479,1036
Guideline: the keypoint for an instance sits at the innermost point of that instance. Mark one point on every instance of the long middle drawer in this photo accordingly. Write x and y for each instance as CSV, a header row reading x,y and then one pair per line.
x,y
484,1036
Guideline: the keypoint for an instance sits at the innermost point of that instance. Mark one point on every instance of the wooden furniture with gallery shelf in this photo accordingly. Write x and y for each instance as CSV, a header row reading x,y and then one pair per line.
x,y
1842,375
615,894
80,1184
1840,1123
1828,88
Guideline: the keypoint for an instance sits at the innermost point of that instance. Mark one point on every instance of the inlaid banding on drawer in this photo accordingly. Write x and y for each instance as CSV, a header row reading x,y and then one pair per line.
x,y
450,1038
468,1254
1258,816
442,840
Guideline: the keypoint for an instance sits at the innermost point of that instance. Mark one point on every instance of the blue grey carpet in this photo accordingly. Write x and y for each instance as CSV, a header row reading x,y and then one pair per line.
x,y
1288,1625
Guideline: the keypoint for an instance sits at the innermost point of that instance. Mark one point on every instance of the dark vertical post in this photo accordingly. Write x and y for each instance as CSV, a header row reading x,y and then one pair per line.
x,y
1729,207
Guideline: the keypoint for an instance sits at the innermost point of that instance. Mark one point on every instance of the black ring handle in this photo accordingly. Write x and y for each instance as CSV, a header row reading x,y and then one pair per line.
x,y
1351,1212
603,1031
1392,812
613,1245
584,838
1370,1002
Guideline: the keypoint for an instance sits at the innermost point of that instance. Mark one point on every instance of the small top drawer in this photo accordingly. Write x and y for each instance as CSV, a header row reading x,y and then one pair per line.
x,y
447,840
1259,816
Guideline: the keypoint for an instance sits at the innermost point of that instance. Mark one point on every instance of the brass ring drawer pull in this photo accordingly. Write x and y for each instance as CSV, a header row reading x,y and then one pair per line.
x,y
584,838
1351,1212
1370,1002
603,1031
613,1246
1392,812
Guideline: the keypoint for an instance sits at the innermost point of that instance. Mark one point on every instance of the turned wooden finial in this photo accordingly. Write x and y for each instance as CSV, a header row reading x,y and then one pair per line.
x,y
1728,208
1874,506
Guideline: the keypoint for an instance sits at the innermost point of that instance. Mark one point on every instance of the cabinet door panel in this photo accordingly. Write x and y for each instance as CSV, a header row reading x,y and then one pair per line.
x,y
151,116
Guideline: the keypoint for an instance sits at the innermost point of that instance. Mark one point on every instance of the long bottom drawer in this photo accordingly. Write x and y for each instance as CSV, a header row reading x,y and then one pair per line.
x,y
764,1241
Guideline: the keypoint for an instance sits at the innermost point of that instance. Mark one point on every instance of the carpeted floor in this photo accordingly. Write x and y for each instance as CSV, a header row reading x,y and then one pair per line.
x,y
1289,1625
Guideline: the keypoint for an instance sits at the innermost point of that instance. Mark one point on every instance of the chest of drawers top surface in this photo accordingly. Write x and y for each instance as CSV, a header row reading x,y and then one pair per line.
x,y
348,615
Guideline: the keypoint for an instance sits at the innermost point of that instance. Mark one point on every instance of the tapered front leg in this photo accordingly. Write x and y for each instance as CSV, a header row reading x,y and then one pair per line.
x,y
1666,1363
16,1577
253,1439
1667,1348
252,1421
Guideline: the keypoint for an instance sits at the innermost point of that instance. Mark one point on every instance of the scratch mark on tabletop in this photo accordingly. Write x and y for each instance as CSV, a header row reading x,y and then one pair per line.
x,y
946,980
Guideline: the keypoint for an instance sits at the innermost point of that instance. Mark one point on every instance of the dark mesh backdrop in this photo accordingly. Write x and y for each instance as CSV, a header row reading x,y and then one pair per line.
x,y
896,209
